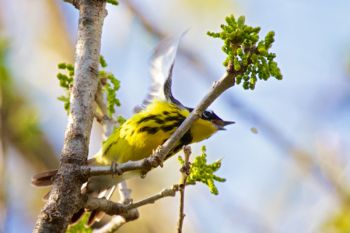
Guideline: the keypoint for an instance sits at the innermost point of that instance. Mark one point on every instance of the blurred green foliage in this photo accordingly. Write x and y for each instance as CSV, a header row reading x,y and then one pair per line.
x,y
20,122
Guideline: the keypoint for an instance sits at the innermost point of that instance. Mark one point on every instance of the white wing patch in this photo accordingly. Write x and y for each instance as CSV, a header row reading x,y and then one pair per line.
x,y
162,62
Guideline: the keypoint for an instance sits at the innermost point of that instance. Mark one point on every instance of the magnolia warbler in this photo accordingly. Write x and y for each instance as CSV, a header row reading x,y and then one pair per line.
x,y
152,124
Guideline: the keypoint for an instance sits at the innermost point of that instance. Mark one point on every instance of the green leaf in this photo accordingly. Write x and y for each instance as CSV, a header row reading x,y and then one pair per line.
x,y
111,87
70,67
236,64
121,120
113,2
62,65
66,101
203,172
103,62
66,82
240,21
79,227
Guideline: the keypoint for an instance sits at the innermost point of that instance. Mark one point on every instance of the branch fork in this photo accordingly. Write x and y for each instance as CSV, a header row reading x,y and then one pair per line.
x,y
113,208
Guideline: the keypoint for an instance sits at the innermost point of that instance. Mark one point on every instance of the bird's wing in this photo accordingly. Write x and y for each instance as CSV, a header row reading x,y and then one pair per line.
x,y
162,63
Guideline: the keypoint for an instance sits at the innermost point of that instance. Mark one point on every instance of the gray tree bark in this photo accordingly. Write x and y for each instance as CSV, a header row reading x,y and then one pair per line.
x,y
65,198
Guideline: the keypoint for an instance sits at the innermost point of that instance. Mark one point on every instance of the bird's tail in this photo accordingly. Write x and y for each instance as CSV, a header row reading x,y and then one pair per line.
x,y
44,178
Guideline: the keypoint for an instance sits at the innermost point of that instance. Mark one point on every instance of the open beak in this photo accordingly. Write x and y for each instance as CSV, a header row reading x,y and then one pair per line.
x,y
220,124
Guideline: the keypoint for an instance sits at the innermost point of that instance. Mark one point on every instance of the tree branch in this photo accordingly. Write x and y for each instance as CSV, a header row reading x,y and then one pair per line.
x,y
119,220
65,198
113,208
185,170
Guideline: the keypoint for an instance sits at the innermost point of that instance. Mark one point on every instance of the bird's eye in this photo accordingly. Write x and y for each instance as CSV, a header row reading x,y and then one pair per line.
x,y
206,115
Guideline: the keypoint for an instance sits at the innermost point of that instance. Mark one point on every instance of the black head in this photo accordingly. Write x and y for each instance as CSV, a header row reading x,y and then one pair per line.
x,y
213,118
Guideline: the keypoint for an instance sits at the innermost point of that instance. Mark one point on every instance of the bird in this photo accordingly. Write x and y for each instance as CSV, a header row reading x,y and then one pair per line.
x,y
154,121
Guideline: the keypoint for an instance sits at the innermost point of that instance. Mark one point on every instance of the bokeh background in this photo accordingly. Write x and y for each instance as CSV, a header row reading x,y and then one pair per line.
x,y
290,176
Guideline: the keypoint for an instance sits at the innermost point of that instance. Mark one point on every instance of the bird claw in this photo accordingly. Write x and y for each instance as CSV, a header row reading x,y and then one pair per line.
x,y
158,160
115,169
151,162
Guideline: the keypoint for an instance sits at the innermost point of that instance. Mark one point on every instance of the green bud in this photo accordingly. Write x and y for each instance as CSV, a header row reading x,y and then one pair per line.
x,y
113,2
103,62
262,50
241,21
236,64
245,60
213,34
255,38
246,85
256,30
269,39
219,179
271,56
102,74
239,52
62,66
239,79
62,77
226,62
70,67
252,80
121,120
230,20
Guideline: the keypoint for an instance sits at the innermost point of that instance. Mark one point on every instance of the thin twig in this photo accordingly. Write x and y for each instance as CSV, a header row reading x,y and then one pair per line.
x,y
113,208
170,192
119,220
124,192
185,171
112,226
